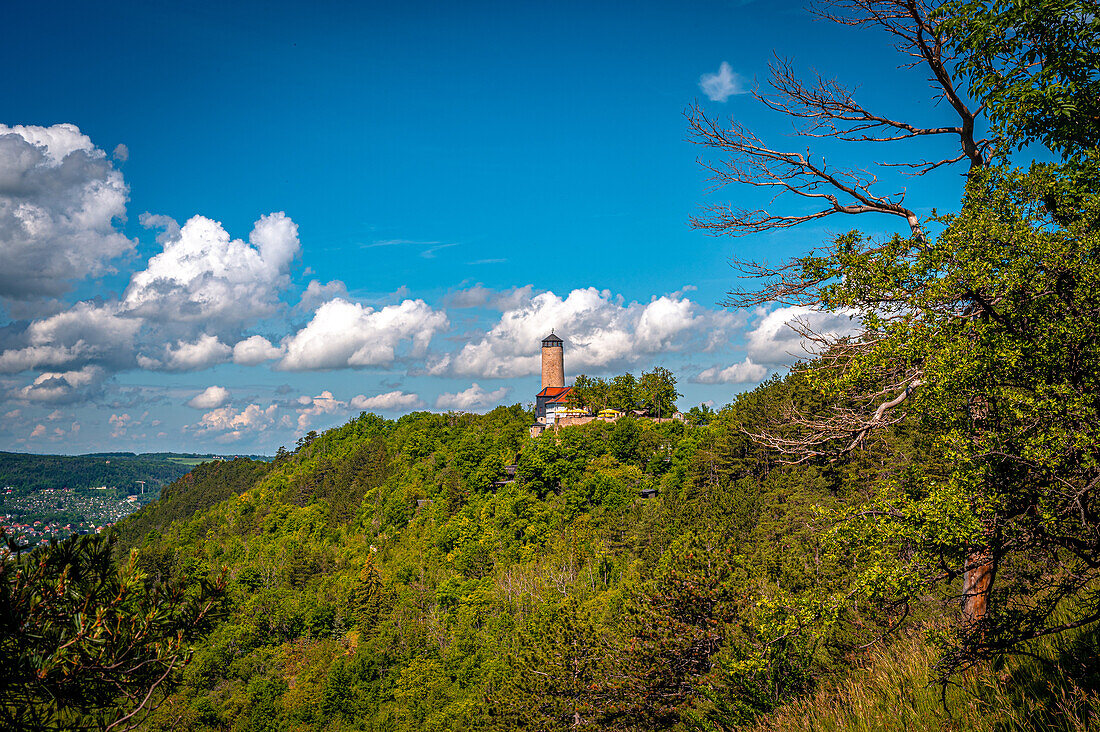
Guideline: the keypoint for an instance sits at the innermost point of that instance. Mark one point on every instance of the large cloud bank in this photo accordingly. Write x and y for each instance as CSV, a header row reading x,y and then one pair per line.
x,y
59,200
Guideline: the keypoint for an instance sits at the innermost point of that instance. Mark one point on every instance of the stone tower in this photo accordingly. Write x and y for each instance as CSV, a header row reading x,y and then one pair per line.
x,y
553,367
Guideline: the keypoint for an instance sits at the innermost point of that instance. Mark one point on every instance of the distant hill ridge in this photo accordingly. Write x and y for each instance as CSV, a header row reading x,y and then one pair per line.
x,y
166,455
27,472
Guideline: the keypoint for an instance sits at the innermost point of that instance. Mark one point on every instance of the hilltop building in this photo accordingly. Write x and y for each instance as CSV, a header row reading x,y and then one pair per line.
x,y
550,402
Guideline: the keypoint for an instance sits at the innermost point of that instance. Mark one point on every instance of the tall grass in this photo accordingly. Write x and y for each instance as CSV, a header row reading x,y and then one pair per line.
x,y
1057,689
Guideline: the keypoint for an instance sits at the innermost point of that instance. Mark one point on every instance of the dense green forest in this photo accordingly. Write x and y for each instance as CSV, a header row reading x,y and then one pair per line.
x,y
26,473
387,575
391,575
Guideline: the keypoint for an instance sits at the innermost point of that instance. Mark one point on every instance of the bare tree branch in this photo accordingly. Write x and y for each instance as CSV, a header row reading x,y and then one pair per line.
x,y
827,108
832,111
750,161
170,667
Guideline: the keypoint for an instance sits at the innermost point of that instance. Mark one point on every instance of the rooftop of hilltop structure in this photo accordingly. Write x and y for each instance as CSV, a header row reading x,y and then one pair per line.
x,y
555,394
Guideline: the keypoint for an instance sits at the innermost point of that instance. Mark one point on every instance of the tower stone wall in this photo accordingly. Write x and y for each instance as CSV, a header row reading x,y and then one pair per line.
x,y
553,364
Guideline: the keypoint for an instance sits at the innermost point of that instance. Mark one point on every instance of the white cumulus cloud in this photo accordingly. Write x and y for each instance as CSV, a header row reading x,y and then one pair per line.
x,y
471,399
479,296
721,86
316,293
745,372
316,406
63,387
344,334
390,401
60,198
776,337
120,423
188,356
229,425
204,276
85,333
599,328
210,398
255,350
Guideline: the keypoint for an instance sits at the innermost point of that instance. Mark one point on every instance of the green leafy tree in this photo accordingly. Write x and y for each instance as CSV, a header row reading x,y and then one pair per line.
x,y
86,643
657,392
997,352
622,393
701,415
589,393
983,336
1034,65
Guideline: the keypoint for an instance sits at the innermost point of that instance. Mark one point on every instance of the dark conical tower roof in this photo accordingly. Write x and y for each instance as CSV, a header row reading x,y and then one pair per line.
x,y
551,339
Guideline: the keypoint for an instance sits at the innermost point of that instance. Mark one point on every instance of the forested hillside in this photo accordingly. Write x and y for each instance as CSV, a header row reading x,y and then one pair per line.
x,y
390,574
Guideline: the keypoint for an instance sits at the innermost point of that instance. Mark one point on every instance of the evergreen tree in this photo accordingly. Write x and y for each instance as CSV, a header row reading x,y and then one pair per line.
x,y
557,675
675,627
88,644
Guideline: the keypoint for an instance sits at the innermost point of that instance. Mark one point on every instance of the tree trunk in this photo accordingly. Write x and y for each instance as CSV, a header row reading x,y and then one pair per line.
x,y
977,583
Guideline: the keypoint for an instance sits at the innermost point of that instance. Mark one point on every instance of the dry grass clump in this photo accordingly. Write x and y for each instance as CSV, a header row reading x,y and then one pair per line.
x,y
1057,689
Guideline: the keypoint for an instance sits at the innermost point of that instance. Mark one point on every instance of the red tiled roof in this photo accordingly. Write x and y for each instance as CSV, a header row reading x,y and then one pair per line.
x,y
560,397
555,391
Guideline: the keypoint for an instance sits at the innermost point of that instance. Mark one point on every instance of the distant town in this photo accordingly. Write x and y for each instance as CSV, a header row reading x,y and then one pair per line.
x,y
33,520
52,497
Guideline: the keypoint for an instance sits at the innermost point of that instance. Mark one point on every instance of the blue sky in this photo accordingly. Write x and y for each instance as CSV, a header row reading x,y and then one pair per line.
x,y
436,186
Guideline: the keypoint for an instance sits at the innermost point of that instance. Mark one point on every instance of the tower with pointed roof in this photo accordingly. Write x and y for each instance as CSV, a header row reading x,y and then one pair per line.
x,y
554,391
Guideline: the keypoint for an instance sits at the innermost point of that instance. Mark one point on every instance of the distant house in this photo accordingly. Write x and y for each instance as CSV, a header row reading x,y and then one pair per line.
x,y
509,477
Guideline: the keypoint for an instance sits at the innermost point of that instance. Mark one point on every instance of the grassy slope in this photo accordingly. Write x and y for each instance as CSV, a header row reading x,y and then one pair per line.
x,y
894,690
